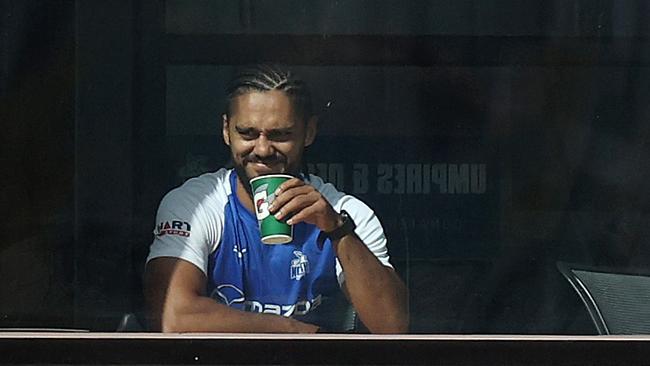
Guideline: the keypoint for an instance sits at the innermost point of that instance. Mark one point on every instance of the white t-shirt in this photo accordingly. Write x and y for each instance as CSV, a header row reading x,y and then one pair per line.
x,y
191,219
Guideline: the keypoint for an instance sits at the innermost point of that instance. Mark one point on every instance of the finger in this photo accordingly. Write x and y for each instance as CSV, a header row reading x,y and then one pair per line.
x,y
303,215
296,204
293,182
288,195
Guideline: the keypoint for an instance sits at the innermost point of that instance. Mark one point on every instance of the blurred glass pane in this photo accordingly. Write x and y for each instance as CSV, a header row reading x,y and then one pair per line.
x,y
463,17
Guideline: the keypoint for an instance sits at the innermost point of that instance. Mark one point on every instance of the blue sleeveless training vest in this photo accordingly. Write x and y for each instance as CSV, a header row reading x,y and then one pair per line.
x,y
293,279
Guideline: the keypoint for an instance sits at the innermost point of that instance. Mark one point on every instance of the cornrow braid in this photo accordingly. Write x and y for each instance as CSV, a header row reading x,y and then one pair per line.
x,y
262,78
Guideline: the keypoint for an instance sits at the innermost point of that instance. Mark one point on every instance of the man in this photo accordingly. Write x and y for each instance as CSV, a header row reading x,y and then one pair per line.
x,y
208,271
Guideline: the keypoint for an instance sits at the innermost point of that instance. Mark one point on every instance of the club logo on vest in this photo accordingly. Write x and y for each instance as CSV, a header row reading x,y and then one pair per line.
x,y
180,228
229,294
299,266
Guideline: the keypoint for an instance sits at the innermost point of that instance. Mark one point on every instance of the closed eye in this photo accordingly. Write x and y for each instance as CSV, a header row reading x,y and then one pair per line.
x,y
280,135
247,133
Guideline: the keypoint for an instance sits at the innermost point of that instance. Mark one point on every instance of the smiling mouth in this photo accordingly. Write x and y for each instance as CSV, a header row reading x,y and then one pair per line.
x,y
266,168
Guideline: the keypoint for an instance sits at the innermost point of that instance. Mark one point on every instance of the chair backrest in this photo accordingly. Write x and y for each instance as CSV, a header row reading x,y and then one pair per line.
x,y
130,323
338,316
334,314
618,302
349,320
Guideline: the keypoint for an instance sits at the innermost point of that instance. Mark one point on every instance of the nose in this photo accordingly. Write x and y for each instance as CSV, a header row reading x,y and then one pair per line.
x,y
263,147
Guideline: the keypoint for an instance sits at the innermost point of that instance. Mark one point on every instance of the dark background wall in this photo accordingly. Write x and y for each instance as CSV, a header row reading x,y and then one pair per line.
x,y
492,138
37,152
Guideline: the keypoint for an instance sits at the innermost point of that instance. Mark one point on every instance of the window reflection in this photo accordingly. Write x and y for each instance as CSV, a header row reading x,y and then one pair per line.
x,y
492,139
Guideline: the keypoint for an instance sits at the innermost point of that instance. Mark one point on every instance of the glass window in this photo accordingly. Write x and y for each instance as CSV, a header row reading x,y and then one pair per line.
x,y
493,139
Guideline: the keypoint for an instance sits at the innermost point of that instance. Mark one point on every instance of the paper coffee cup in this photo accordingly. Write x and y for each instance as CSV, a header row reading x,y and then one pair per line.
x,y
272,231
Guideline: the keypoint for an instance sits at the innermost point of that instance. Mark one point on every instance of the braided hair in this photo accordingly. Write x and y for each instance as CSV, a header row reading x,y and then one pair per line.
x,y
263,78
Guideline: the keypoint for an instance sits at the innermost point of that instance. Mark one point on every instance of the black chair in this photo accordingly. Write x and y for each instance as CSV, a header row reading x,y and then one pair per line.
x,y
617,301
335,315
130,322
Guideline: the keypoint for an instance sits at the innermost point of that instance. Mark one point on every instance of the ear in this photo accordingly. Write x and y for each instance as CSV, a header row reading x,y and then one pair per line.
x,y
224,129
312,128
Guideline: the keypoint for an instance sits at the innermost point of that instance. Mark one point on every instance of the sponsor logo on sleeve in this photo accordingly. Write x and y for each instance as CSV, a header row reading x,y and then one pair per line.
x,y
174,227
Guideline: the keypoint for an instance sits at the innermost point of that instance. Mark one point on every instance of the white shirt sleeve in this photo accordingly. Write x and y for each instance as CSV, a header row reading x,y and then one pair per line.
x,y
188,225
369,228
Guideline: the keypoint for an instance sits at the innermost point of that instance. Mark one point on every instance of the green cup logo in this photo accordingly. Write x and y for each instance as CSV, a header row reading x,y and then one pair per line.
x,y
262,201
272,231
